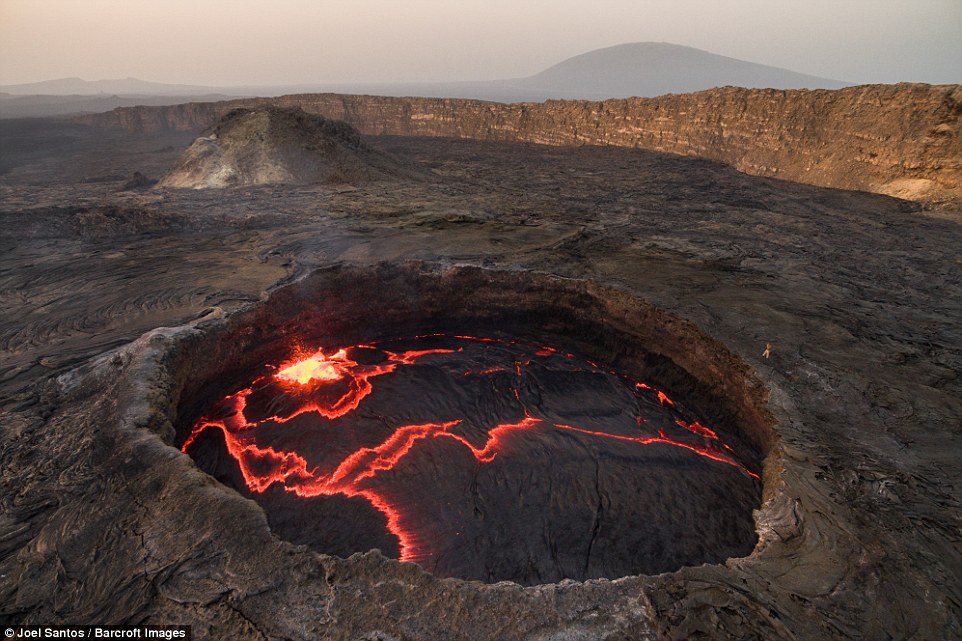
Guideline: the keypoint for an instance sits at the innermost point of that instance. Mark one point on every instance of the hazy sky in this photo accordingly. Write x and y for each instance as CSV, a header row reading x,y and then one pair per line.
x,y
233,42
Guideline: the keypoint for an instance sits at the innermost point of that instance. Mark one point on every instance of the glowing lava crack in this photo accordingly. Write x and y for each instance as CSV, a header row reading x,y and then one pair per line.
x,y
304,426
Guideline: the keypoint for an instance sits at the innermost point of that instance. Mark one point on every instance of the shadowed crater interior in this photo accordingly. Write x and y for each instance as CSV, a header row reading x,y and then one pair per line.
x,y
486,425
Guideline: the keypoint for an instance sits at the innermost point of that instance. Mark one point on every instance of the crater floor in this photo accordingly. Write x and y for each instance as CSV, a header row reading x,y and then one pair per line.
x,y
858,295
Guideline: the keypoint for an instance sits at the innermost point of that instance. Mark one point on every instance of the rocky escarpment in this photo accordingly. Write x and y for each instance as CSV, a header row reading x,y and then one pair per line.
x,y
902,140
274,145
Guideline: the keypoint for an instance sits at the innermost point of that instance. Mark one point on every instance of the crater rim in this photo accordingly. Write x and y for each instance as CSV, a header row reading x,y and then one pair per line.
x,y
414,292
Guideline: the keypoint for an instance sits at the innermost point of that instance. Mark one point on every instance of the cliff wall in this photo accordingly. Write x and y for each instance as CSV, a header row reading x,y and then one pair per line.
x,y
902,140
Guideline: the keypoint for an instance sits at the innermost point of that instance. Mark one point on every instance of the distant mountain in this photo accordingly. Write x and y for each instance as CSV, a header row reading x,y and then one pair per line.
x,y
650,69
119,87
46,105
75,95
644,69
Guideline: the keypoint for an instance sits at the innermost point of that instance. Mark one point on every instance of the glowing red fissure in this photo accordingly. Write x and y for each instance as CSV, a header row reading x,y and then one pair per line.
x,y
261,467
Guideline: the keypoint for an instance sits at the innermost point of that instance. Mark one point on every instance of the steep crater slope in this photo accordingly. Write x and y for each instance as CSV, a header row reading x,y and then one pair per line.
x,y
274,145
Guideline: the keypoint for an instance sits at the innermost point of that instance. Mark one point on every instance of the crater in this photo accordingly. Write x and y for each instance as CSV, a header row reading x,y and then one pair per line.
x,y
487,425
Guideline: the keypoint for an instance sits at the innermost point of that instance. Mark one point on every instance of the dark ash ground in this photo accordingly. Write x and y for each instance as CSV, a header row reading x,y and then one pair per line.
x,y
859,295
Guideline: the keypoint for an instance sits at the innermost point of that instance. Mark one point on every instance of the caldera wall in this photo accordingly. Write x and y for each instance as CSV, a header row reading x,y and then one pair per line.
x,y
903,140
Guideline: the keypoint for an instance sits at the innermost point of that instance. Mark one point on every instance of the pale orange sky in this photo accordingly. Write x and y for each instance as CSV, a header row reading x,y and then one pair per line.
x,y
235,42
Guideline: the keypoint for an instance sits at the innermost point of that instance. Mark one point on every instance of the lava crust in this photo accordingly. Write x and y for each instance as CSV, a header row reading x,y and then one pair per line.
x,y
481,458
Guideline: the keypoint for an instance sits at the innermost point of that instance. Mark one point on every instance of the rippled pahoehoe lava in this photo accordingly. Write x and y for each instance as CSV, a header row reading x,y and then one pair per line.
x,y
313,426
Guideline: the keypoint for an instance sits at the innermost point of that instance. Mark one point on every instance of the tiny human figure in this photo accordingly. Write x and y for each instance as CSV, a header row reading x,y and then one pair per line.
x,y
768,350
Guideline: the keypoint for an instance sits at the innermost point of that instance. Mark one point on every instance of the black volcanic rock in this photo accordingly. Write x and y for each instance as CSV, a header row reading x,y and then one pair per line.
x,y
273,145
138,181
102,520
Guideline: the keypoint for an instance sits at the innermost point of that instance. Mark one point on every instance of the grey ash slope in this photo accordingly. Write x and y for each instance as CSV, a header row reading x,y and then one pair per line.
x,y
272,145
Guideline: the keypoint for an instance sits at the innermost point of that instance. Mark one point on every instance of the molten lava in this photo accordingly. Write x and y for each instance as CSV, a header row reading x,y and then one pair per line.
x,y
317,367
320,396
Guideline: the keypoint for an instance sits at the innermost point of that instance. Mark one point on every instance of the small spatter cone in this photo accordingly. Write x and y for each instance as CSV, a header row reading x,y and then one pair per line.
x,y
276,146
